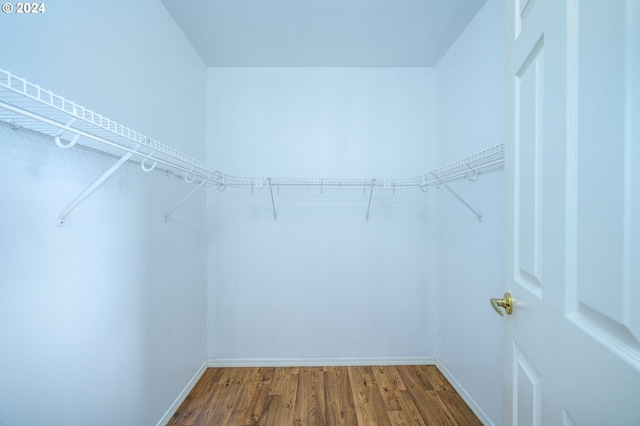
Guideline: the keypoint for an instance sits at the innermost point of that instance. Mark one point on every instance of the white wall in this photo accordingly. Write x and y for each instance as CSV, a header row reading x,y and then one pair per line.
x,y
320,283
470,118
101,321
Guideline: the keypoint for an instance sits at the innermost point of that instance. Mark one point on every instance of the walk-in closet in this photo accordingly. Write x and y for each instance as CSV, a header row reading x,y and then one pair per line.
x,y
334,199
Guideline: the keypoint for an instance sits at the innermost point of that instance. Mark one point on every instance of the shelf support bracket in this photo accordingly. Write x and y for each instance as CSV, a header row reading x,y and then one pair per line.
x,y
373,181
184,200
273,203
80,198
455,194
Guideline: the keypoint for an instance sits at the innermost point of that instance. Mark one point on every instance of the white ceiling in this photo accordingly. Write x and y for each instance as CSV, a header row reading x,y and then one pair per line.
x,y
340,33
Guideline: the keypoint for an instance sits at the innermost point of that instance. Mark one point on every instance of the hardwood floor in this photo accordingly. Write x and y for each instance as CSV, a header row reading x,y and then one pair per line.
x,y
378,395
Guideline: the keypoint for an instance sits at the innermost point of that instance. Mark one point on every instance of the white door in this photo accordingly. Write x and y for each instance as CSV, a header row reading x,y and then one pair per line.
x,y
572,344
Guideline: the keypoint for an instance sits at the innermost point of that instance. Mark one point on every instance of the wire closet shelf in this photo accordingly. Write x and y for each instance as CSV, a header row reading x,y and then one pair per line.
x,y
24,105
27,105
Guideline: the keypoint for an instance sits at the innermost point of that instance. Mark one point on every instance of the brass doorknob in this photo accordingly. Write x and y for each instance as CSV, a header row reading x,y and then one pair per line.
x,y
506,303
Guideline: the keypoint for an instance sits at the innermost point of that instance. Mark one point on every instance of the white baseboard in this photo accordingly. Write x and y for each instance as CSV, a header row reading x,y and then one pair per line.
x,y
183,395
463,393
318,362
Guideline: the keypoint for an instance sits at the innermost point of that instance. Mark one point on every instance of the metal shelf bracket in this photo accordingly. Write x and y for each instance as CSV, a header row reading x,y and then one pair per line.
x,y
373,184
80,198
467,205
184,200
441,184
273,203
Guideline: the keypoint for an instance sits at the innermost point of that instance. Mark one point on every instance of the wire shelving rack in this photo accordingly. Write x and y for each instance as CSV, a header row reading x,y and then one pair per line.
x,y
25,105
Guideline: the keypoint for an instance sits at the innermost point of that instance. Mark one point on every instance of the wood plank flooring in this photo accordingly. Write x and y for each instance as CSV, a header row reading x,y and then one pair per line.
x,y
349,396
